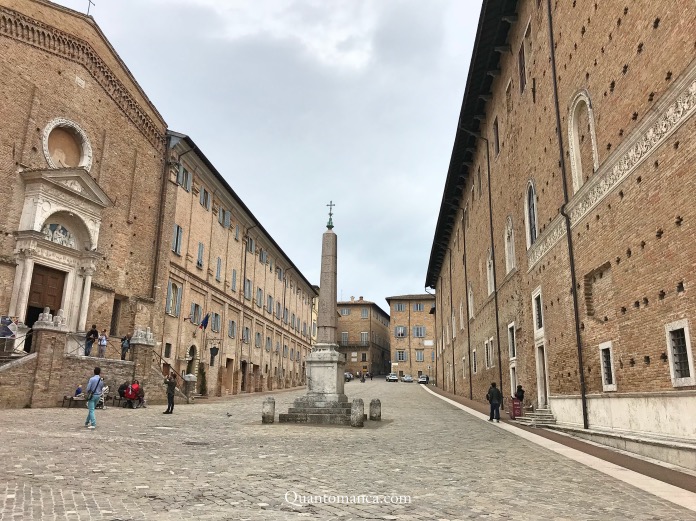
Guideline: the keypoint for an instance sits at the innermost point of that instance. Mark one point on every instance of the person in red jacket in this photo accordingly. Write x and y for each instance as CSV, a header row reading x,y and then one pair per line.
x,y
131,394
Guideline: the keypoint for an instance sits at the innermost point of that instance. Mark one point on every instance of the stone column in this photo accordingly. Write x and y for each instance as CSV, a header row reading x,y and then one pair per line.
x,y
375,410
268,410
357,413
141,345
84,303
19,274
326,320
49,344
24,287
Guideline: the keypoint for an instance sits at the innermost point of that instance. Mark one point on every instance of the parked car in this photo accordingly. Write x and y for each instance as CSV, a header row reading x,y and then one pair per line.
x,y
392,377
348,376
423,379
407,378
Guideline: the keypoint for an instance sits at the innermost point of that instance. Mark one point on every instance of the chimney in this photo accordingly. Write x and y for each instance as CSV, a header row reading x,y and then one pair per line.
x,y
360,299
352,298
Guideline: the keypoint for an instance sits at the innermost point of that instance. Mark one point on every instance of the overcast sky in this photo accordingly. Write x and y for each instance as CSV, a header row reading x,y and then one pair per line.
x,y
299,102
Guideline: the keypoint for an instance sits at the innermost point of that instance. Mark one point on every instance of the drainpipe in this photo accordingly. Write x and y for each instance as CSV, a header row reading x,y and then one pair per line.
x,y
490,226
569,235
454,376
468,314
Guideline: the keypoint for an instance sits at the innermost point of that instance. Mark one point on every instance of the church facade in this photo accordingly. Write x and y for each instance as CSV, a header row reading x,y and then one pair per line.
x,y
93,195
563,254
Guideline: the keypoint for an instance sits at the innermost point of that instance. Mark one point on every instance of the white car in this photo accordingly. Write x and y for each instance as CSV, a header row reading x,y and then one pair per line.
x,y
392,377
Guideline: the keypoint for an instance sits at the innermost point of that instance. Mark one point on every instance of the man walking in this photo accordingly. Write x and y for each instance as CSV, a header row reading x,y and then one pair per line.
x,y
93,394
170,382
92,336
495,398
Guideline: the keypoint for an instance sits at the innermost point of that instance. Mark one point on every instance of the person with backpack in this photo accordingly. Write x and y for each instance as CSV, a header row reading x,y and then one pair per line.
x,y
495,398
103,340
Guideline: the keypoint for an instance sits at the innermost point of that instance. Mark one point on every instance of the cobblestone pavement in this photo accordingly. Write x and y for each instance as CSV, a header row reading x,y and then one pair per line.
x,y
201,463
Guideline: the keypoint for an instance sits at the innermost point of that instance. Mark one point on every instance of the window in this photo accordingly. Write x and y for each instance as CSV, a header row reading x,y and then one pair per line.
x,y
363,357
251,245
196,313
183,178
236,232
231,329
279,272
177,239
401,356
364,313
246,335
461,314
205,198
496,137
247,289
607,360
537,313
478,181
364,338
512,345
345,312
418,306
173,305
489,271
487,353
292,321
400,306
199,261
269,303
419,331
304,328
213,354
314,328
344,338
523,57
400,331
582,141
278,310
285,350
454,326
257,339
474,364
263,256
218,270
234,280
215,322
509,246
470,301
269,343
419,355
224,217
531,215
167,350
681,362
286,315
259,297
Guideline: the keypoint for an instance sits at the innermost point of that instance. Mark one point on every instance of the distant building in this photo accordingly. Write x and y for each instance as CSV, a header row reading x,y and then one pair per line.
x,y
363,336
413,335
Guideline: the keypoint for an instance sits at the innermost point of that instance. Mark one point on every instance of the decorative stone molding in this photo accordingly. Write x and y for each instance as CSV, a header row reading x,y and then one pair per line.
x,y
143,336
49,39
675,108
47,321
86,156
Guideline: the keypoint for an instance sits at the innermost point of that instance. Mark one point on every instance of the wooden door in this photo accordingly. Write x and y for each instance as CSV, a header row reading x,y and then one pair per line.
x,y
46,288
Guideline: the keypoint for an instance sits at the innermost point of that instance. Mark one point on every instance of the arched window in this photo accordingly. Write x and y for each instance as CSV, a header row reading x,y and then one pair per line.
x,y
509,246
489,271
530,215
173,303
582,142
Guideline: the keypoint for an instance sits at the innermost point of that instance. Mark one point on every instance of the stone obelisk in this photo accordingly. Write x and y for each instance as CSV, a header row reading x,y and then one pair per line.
x,y
325,401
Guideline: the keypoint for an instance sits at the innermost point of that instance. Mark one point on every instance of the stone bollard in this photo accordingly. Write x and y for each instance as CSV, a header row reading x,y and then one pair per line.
x,y
268,410
376,410
357,413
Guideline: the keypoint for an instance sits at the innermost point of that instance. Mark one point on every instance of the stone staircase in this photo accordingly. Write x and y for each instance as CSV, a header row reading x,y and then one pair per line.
x,y
335,415
537,418
8,356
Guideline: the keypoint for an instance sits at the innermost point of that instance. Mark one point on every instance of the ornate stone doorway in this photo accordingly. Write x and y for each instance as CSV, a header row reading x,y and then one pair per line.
x,y
46,290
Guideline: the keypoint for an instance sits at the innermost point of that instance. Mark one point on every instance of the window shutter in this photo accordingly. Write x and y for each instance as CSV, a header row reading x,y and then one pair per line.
x,y
174,237
168,307
178,301
405,356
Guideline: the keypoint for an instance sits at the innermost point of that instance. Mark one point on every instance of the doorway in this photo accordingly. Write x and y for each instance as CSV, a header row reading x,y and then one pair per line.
x,y
46,291
542,388
243,370
191,365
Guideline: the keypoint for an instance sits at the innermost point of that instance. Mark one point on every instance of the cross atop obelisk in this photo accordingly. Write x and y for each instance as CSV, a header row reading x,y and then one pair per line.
x,y
329,225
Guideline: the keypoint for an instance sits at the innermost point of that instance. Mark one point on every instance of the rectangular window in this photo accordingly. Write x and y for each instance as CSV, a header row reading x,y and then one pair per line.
x,y
364,338
183,178
251,245
538,314
419,331
345,312
263,257
419,355
496,137
196,313
286,315
173,304
487,358
231,329
400,306
418,306
167,350
218,270
224,217
236,232
234,280
474,364
363,357
199,261
607,360
279,272
177,239
285,350
681,362
269,303
401,356
512,347
205,198
400,331
364,313
259,297
277,309
247,289
215,322
344,338
257,339
245,335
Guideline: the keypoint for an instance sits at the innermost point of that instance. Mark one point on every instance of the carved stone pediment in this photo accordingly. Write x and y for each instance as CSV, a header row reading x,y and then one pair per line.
x,y
74,181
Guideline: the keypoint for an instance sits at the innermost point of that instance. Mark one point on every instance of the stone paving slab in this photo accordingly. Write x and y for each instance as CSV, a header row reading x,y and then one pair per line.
x,y
201,463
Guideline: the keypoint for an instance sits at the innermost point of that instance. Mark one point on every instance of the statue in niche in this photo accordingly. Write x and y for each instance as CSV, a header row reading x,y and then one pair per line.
x,y
59,234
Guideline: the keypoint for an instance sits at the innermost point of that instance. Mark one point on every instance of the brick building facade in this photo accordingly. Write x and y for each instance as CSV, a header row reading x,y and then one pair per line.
x,y
413,336
363,336
563,250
